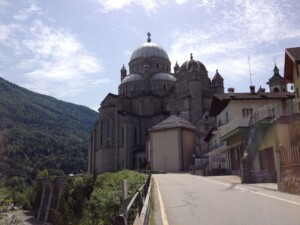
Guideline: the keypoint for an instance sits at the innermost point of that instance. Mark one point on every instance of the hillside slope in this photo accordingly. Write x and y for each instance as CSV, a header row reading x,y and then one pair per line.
x,y
40,132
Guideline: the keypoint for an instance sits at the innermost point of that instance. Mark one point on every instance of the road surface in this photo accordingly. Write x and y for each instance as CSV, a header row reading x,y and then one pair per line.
x,y
195,200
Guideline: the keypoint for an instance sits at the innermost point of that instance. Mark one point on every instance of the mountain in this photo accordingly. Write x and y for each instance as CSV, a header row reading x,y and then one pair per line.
x,y
40,132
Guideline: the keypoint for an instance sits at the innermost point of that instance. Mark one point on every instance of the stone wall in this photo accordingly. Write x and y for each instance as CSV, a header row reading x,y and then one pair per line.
x,y
290,179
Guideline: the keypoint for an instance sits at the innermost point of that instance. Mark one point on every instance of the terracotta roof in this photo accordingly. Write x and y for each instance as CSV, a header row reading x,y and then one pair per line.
x,y
173,122
220,101
292,56
294,53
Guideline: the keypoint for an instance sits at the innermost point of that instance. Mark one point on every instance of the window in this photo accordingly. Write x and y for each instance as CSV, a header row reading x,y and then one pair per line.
x,y
122,138
135,136
247,112
227,117
108,131
101,133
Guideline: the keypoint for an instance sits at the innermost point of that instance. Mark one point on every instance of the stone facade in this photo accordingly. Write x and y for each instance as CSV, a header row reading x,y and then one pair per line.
x,y
148,94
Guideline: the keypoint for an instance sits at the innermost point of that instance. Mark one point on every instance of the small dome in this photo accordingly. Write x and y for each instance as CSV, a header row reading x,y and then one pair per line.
x,y
132,77
192,64
163,76
217,76
149,49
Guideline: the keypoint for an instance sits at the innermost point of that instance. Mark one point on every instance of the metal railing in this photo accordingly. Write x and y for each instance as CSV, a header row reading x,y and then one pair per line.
x,y
290,156
138,200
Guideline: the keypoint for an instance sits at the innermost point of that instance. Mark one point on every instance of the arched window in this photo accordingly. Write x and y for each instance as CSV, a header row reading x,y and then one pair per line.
x,y
135,136
101,133
276,89
108,131
122,138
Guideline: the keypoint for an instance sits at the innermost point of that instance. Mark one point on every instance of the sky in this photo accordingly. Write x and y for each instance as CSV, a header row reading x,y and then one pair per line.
x,y
73,50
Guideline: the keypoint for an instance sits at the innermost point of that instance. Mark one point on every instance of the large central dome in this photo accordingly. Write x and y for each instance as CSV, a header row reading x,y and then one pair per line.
x,y
149,49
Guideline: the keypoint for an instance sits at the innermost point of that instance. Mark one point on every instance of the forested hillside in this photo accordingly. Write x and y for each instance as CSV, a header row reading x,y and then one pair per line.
x,y
40,132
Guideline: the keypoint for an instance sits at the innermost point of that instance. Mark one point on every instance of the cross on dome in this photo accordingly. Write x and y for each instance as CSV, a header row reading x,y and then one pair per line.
x,y
149,39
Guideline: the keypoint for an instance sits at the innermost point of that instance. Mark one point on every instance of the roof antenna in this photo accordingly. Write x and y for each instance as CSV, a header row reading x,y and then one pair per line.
x,y
250,70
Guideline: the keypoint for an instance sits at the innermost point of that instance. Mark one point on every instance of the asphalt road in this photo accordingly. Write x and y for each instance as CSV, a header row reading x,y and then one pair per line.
x,y
196,200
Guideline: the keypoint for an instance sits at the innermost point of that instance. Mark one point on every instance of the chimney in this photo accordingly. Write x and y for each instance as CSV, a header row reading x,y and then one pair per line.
x,y
252,89
231,92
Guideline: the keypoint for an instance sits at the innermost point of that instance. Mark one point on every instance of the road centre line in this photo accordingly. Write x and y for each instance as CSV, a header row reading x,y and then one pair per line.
x,y
254,192
162,208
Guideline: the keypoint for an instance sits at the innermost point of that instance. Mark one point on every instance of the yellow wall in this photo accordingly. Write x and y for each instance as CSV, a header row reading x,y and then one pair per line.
x,y
172,149
273,136
165,150
189,147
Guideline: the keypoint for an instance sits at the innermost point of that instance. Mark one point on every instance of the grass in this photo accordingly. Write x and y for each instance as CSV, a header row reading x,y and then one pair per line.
x,y
152,204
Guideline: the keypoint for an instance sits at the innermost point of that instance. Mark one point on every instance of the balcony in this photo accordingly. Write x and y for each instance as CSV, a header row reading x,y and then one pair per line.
x,y
219,145
238,122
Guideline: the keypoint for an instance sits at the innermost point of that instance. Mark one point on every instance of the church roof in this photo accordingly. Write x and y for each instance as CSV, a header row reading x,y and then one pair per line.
x,y
173,122
217,76
276,76
192,64
132,77
149,49
163,76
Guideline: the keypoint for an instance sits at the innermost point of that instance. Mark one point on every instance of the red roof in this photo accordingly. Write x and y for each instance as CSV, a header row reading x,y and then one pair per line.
x,y
292,56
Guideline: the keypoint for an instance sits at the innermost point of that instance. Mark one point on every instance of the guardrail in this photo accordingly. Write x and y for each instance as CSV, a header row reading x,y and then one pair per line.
x,y
140,200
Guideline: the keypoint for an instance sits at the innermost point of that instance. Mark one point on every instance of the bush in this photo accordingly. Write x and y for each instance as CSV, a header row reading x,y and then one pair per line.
x,y
75,192
105,203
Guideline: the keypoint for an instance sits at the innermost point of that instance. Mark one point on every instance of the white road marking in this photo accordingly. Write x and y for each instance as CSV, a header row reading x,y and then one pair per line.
x,y
274,197
254,192
217,182
162,208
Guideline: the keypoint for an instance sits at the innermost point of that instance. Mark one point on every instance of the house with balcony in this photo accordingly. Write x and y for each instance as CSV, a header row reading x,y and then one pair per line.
x,y
236,113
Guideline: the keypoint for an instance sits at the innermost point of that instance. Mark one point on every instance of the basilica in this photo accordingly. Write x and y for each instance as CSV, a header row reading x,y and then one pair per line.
x,y
149,92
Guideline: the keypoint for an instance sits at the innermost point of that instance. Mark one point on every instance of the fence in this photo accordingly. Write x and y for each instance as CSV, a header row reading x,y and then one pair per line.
x,y
140,200
289,169
290,156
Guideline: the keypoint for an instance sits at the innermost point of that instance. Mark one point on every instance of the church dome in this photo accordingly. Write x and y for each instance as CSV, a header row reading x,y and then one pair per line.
x,y
149,49
163,76
193,65
132,77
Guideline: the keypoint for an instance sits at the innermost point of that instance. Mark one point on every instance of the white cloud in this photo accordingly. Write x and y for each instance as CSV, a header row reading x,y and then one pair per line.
x,y
148,5
60,65
181,2
243,28
51,59
24,14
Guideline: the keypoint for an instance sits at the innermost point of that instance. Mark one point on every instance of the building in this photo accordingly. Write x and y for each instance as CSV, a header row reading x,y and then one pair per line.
x,y
148,94
175,155
249,122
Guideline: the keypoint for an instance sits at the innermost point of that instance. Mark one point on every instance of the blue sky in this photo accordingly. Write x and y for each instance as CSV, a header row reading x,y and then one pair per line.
x,y
74,49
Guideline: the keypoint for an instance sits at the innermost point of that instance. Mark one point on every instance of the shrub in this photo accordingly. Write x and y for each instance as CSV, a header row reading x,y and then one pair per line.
x,y
74,193
105,203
